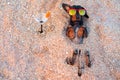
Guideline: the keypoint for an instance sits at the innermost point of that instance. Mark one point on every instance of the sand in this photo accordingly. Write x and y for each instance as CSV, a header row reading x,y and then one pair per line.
x,y
26,54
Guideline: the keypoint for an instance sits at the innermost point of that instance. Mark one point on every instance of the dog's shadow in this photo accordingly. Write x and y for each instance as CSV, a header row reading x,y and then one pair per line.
x,y
86,25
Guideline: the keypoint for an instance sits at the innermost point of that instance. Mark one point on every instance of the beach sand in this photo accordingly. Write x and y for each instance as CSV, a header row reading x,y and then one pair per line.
x,y
25,54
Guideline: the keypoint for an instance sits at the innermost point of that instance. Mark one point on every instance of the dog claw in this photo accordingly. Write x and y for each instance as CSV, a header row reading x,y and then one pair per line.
x,y
69,61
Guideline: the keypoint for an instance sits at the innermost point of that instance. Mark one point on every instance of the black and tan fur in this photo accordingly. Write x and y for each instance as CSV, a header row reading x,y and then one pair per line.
x,y
76,31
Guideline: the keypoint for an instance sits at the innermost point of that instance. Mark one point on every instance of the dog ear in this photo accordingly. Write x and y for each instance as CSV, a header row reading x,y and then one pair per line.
x,y
86,15
66,7
85,12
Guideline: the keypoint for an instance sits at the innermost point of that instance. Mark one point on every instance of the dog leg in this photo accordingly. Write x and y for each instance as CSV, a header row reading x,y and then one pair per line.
x,y
80,65
87,59
85,33
72,60
70,33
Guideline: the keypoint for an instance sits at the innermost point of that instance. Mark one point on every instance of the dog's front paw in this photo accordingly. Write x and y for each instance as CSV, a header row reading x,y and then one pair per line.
x,y
70,33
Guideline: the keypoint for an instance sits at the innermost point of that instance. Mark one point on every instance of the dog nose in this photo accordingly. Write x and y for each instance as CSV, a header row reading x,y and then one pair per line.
x,y
77,16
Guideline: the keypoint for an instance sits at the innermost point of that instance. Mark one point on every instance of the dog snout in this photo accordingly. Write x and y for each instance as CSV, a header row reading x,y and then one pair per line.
x,y
77,16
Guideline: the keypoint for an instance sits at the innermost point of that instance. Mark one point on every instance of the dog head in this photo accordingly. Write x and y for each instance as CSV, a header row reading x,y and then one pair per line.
x,y
76,12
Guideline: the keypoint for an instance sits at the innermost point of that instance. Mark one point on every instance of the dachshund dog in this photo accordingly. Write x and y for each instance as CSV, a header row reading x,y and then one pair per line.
x,y
75,31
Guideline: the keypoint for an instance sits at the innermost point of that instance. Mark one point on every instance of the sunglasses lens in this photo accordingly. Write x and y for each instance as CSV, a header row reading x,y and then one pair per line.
x,y
82,12
72,12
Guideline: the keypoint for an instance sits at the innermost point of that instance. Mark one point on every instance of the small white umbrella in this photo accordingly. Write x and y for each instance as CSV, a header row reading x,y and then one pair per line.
x,y
43,19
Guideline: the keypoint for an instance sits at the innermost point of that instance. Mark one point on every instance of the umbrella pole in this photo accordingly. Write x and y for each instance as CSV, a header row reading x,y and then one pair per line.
x,y
41,31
